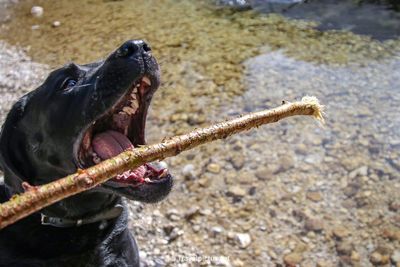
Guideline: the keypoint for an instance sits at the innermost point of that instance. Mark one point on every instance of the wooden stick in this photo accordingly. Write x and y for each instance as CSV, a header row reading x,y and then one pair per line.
x,y
37,197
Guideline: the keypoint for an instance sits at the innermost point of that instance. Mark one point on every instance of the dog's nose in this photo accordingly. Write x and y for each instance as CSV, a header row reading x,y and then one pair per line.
x,y
133,47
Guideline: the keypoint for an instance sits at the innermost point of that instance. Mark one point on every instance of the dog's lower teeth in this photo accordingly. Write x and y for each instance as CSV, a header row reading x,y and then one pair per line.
x,y
164,173
146,80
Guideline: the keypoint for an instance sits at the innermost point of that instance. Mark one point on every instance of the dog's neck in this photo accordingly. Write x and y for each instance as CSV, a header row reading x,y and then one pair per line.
x,y
102,217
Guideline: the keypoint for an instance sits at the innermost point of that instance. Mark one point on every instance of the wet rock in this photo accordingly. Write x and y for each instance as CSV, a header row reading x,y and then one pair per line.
x,y
391,233
380,256
37,11
361,171
292,259
264,173
188,171
216,231
236,191
237,161
286,163
173,215
344,248
192,213
243,240
396,257
394,206
340,232
56,24
214,168
313,224
314,196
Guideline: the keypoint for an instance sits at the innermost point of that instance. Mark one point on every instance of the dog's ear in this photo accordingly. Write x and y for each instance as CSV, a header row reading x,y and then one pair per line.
x,y
10,151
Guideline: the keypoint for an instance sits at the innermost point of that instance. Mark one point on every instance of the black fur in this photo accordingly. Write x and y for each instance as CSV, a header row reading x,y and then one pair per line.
x,y
38,144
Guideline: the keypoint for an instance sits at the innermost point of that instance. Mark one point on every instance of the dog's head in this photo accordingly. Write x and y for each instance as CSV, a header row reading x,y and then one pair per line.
x,y
81,115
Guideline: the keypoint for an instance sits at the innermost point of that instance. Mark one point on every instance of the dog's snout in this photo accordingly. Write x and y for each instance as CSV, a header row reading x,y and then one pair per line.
x,y
133,47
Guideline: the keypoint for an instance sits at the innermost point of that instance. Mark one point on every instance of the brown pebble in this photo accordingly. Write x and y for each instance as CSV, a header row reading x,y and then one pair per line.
x,y
314,196
292,259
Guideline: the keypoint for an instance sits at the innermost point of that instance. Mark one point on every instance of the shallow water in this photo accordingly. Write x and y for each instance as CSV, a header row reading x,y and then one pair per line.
x,y
219,63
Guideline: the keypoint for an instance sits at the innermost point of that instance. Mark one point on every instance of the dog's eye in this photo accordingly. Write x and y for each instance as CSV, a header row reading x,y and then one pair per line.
x,y
68,84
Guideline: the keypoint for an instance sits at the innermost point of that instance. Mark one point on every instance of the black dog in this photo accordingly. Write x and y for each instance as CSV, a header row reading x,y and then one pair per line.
x,y
80,115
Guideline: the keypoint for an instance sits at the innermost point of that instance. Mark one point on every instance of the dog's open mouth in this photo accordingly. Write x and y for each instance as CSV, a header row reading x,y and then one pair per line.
x,y
120,129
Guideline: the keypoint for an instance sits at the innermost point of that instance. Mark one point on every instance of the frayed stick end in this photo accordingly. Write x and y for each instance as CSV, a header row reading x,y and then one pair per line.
x,y
313,103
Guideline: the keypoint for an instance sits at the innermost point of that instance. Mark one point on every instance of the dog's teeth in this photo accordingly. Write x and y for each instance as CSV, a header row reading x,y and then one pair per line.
x,y
96,159
146,80
129,110
147,180
134,104
164,173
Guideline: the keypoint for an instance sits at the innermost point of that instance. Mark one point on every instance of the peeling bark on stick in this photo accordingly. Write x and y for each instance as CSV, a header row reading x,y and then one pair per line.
x,y
38,197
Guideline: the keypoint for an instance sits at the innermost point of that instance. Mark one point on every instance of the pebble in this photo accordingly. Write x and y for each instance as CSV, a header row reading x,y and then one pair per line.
x,y
344,248
340,232
264,173
395,257
214,168
361,171
216,231
243,240
292,259
236,191
37,11
314,196
315,225
188,171
56,24
173,215
238,162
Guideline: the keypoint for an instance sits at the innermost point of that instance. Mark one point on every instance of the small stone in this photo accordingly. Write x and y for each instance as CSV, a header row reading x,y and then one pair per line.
x,y
236,191
340,232
376,258
263,173
37,11
344,248
394,206
56,24
214,168
243,240
314,196
142,255
292,259
315,225
35,27
380,256
188,171
192,212
391,233
396,257
324,263
237,162
355,256
216,231
173,215
361,171
286,163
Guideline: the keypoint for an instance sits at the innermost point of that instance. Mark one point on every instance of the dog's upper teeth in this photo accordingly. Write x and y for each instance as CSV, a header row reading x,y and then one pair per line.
x,y
147,180
146,80
129,110
134,104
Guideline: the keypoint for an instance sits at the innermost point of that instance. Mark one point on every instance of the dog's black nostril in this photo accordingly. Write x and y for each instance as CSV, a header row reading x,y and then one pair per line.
x,y
127,49
132,47
146,47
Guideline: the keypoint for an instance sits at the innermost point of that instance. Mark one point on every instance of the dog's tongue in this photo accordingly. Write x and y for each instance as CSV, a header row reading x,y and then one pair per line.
x,y
110,143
